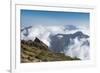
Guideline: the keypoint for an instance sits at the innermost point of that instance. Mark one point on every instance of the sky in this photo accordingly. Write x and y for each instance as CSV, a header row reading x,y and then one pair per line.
x,y
36,17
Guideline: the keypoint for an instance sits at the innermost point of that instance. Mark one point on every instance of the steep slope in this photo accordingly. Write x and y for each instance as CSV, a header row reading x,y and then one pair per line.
x,y
37,51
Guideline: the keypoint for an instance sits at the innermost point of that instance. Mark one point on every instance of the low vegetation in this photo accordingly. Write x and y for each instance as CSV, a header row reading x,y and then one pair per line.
x,y
37,51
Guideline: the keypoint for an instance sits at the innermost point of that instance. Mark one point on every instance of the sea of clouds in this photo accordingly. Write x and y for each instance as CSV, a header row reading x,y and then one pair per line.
x,y
44,32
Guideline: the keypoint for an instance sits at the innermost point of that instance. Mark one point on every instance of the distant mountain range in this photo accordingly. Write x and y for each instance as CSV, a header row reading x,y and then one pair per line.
x,y
70,27
60,41
37,51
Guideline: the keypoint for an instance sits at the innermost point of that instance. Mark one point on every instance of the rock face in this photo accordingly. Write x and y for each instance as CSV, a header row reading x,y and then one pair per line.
x,y
60,41
37,51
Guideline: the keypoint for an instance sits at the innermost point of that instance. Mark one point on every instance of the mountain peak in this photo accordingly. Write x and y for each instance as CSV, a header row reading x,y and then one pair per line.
x,y
37,40
70,27
41,44
80,34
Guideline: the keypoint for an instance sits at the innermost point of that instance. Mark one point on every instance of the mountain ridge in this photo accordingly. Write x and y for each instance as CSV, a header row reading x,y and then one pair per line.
x,y
66,40
37,51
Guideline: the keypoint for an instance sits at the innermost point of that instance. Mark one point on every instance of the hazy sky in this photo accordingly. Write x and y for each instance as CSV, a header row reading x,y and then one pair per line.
x,y
35,17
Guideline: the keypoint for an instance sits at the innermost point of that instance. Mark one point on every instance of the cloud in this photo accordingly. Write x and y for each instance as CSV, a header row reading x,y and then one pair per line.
x,y
77,49
44,32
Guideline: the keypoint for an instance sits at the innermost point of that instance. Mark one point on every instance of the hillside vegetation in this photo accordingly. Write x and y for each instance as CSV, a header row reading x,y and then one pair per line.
x,y
37,51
